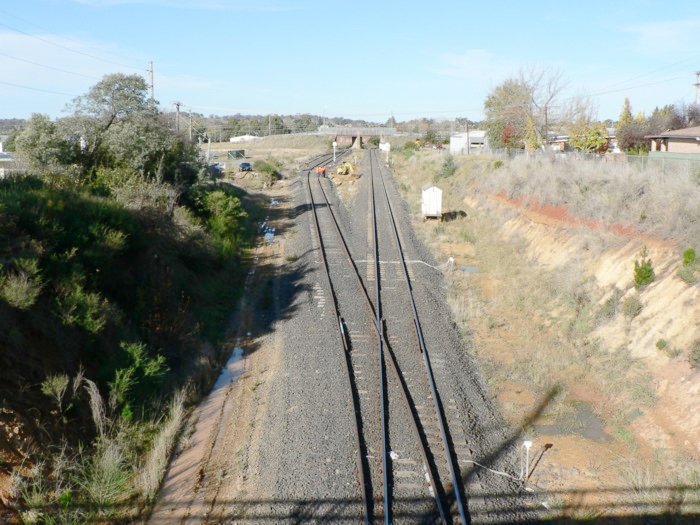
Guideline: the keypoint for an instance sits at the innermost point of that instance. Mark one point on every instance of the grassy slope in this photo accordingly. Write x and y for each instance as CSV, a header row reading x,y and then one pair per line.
x,y
82,276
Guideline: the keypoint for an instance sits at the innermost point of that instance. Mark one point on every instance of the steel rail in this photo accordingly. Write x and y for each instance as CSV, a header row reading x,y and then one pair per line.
x,y
360,458
426,358
393,363
380,357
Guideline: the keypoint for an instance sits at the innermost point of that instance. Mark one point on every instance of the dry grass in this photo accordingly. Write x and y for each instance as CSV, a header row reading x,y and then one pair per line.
x,y
540,321
649,200
153,468
97,407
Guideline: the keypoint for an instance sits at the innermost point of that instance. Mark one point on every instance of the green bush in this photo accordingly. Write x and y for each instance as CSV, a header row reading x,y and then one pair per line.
x,y
55,386
374,141
19,290
661,344
689,257
631,307
448,168
82,308
21,287
497,164
270,167
410,145
139,377
643,273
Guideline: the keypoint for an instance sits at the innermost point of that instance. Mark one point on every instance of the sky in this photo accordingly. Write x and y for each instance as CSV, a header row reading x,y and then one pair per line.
x,y
356,59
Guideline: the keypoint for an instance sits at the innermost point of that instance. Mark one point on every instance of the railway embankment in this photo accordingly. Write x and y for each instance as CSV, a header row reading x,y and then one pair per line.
x,y
579,276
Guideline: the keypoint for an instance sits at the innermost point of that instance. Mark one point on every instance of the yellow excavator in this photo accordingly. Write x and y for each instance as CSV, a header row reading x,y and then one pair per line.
x,y
345,168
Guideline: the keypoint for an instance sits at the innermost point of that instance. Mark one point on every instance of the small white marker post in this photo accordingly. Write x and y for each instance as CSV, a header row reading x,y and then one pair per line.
x,y
335,145
524,470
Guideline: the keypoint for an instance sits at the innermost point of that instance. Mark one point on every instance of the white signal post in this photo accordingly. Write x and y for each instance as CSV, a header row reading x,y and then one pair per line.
x,y
335,145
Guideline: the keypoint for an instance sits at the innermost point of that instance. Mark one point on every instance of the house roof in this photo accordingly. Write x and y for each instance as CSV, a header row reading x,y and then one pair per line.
x,y
686,133
473,134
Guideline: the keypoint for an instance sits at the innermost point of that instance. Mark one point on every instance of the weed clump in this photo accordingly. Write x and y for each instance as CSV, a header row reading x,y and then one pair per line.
x,y
631,307
448,169
690,265
609,308
670,351
694,357
271,169
21,287
687,274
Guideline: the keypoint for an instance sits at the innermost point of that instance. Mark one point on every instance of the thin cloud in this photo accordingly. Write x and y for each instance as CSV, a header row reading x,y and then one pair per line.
x,y
662,38
473,64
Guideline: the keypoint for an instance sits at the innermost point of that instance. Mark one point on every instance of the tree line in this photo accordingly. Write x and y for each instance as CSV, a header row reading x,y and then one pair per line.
x,y
527,110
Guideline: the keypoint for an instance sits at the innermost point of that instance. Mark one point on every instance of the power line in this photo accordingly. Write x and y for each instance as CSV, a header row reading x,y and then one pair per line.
x,y
56,44
652,72
37,89
633,87
47,66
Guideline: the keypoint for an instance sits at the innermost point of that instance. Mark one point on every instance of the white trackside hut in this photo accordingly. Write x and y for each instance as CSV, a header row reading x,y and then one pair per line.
x,y
432,202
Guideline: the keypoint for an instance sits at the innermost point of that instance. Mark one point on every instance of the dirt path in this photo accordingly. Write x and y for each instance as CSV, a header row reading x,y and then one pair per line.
x,y
221,433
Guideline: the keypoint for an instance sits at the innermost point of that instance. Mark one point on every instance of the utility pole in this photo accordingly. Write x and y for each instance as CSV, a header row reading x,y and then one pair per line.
x,y
469,144
697,87
150,79
190,124
177,116
269,125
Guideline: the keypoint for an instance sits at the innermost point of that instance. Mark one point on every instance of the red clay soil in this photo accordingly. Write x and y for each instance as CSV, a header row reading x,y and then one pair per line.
x,y
561,214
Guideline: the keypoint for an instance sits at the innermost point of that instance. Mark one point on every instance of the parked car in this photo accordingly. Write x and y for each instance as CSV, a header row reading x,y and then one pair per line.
x,y
245,166
216,169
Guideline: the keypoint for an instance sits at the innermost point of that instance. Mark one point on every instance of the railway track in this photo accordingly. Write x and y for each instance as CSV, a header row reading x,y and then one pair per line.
x,y
406,464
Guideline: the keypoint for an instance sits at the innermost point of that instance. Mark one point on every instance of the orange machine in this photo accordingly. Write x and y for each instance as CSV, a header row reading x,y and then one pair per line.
x,y
321,170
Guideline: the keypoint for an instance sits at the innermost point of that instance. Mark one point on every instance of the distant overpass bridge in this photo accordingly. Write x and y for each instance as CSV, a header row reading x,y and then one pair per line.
x,y
350,136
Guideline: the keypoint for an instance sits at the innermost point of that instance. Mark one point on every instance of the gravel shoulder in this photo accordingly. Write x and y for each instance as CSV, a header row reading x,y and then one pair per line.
x,y
275,445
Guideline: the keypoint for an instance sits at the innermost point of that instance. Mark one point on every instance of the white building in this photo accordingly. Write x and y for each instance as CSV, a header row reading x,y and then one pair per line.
x,y
6,163
243,138
431,203
473,141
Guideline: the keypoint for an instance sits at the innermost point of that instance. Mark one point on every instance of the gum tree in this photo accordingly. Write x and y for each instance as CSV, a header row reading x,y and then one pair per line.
x,y
524,108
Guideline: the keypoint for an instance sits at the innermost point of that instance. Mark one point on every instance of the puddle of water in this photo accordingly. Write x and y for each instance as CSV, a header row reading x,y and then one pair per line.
x,y
580,420
468,269
230,372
